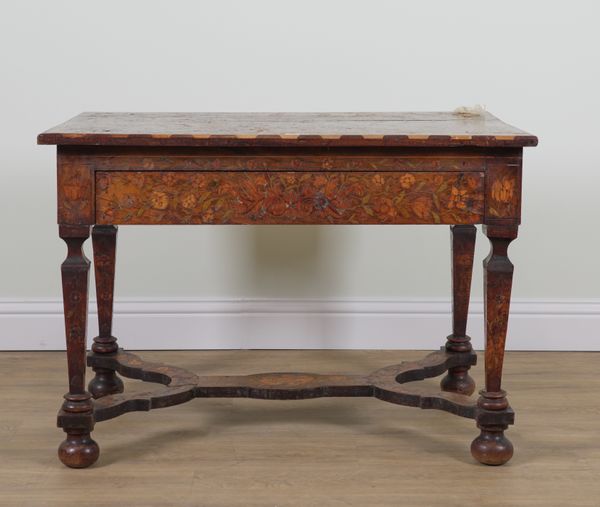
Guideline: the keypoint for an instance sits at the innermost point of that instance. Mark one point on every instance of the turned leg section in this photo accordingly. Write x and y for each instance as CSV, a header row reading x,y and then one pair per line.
x,y
104,242
76,416
462,240
492,447
78,450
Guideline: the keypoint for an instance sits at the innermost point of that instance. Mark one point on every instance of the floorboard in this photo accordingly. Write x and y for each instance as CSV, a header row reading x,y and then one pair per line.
x,y
323,452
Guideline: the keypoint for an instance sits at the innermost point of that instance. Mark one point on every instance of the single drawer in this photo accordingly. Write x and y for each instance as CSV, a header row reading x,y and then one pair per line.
x,y
229,197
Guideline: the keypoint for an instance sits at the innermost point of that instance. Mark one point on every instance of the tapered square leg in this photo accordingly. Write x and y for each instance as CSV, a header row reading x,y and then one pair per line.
x,y
492,447
462,240
104,241
76,416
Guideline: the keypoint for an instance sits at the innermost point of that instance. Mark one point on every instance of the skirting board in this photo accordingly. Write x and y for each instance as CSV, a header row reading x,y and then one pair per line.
x,y
302,324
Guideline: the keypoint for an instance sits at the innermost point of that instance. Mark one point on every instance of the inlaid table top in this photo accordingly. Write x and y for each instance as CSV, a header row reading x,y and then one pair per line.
x,y
287,129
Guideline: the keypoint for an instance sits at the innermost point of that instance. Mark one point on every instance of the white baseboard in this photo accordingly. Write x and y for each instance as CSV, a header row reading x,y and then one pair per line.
x,y
302,324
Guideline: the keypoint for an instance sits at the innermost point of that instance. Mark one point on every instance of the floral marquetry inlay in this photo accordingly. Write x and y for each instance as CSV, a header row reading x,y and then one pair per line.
x,y
147,197
504,190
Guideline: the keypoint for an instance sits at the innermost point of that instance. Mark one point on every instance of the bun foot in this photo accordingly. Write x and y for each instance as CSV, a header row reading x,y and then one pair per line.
x,y
458,381
78,450
491,447
104,383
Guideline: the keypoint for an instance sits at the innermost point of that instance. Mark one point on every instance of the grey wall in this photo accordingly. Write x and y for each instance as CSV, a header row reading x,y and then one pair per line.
x,y
533,64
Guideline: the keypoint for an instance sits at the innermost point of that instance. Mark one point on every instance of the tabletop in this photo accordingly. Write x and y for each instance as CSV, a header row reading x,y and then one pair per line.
x,y
444,129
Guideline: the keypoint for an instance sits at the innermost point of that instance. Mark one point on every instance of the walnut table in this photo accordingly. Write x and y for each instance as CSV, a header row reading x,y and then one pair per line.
x,y
284,168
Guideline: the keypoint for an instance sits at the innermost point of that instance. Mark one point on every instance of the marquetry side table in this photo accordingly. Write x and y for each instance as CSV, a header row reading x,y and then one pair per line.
x,y
284,168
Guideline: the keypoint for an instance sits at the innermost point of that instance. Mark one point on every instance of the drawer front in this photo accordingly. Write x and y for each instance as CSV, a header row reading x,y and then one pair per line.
x,y
220,197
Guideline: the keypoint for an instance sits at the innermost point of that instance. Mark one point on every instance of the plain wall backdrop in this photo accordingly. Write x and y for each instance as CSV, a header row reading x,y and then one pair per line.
x,y
533,64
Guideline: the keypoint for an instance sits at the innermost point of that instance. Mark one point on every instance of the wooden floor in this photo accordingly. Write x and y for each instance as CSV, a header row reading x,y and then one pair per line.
x,y
338,452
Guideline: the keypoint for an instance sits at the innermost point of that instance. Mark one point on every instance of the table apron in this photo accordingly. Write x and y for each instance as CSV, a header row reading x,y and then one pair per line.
x,y
187,186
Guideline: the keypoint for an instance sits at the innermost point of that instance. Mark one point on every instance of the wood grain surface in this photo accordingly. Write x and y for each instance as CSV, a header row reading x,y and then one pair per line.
x,y
286,129
329,452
